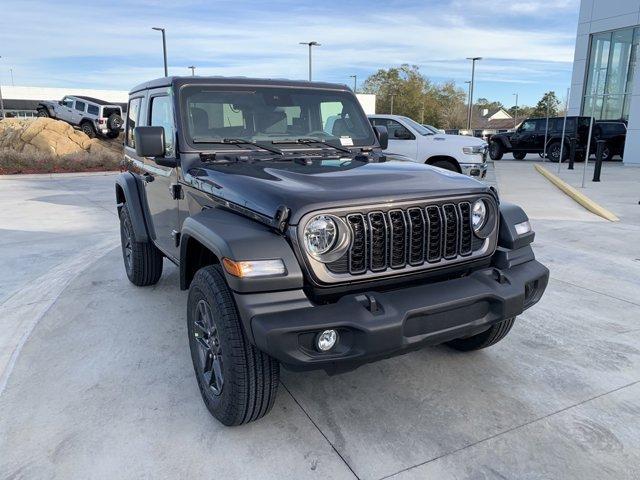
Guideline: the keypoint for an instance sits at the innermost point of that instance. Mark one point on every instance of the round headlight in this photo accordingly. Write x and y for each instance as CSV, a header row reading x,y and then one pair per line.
x,y
478,215
320,235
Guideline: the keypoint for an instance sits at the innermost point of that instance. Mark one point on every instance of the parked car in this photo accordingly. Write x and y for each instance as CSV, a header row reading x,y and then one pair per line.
x,y
458,153
300,244
614,132
91,115
529,137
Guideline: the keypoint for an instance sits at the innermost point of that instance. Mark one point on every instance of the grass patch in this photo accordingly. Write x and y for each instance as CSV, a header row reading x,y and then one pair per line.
x,y
12,162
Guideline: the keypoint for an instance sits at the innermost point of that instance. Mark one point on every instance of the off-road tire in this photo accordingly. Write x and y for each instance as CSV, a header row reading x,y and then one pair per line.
x,y
445,164
88,129
553,152
250,377
495,150
43,112
114,122
519,155
606,153
144,265
485,339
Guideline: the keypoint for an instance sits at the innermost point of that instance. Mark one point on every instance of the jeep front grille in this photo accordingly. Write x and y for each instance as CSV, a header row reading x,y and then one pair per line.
x,y
407,237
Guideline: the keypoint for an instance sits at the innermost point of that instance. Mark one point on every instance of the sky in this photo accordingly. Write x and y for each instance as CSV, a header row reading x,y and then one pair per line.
x,y
527,46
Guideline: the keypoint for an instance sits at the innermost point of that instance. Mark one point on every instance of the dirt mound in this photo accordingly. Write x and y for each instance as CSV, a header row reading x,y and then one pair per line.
x,y
51,137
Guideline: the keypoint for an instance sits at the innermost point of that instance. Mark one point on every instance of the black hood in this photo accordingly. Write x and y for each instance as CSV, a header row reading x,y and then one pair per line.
x,y
264,186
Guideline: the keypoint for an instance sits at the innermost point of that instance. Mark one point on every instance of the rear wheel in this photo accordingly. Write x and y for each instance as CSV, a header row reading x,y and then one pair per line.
x,y
519,155
495,150
485,339
606,153
142,260
238,382
88,129
553,152
43,112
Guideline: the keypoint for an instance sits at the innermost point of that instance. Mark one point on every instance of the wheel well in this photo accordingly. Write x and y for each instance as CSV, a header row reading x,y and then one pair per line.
x,y
196,256
444,158
120,197
87,120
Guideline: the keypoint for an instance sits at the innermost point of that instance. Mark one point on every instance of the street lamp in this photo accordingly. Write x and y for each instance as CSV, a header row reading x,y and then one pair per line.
x,y
1,101
515,116
164,48
473,72
310,44
355,83
193,70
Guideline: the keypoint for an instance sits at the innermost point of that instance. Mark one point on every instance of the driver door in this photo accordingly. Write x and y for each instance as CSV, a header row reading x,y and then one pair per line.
x,y
401,140
525,136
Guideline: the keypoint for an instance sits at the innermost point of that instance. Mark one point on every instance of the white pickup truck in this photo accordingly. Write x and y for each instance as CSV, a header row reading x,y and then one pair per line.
x,y
459,153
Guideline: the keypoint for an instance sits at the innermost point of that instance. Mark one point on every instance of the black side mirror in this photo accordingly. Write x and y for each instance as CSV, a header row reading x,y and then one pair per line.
x,y
149,141
383,136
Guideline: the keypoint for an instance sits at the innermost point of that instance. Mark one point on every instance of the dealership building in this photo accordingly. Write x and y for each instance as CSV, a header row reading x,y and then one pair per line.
x,y
606,79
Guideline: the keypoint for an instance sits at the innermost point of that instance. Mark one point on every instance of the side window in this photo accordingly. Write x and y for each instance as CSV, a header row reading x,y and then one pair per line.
x,y
529,126
162,116
93,109
80,106
132,119
67,102
398,131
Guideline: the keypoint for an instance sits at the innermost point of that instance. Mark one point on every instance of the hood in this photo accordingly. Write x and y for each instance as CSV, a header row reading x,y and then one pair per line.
x,y
459,140
265,186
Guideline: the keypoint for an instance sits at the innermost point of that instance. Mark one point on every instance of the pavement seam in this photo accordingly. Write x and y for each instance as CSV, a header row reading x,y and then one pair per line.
x,y
320,430
512,429
595,291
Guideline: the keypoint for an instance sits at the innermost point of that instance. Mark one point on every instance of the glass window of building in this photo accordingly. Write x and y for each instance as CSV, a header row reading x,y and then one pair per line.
x,y
610,74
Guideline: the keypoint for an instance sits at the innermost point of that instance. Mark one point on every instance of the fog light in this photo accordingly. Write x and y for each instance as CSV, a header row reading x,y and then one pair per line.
x,y
326,340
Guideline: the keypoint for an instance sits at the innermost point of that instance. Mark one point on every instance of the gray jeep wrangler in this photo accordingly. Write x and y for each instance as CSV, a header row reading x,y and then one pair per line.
x,y
302,244
93,116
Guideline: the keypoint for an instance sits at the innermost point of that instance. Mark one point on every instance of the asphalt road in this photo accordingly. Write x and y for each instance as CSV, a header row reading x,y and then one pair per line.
x,y
96,379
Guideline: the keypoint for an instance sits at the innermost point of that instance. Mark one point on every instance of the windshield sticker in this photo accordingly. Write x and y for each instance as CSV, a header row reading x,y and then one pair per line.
x,y
346,141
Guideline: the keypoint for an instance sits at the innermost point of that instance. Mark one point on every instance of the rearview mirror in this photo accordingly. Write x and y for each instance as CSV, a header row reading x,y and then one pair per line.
x,y
383,136
149,141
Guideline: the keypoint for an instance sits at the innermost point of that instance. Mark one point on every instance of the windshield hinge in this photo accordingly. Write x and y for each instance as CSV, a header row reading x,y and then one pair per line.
x,y
281,217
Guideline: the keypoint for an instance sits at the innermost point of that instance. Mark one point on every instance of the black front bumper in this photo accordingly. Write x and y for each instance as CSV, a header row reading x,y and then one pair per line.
x,y
382,324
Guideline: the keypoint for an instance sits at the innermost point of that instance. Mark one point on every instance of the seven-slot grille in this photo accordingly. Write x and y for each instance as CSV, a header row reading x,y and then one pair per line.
x,y
398,238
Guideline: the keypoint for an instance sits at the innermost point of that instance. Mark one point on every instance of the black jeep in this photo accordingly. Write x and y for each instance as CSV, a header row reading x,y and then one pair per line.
x,y
530,136
301,243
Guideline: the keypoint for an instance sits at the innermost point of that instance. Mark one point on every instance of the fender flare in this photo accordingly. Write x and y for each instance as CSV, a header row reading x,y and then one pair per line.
x,y
504,141
510,215
229,235
128,190
46,107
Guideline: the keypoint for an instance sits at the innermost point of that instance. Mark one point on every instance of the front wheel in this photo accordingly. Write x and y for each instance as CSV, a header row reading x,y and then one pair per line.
x,y
484,339
43,112
519,155
238,382
445,165
495,150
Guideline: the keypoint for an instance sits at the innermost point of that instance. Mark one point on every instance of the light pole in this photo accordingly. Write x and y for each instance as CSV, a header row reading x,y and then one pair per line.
x,y
310,44
355,83
11,72
468,82
193,70
515,117
164,48
473,72
1,101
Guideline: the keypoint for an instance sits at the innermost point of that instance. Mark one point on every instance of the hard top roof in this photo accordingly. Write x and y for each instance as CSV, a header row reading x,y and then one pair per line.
x,y
93,100
177,82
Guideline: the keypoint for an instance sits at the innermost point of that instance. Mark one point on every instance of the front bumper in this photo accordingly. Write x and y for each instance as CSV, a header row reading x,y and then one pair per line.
x,y
478,170
376,325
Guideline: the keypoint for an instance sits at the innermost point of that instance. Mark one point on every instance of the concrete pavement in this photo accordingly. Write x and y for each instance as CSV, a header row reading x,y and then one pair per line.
x,y
103,385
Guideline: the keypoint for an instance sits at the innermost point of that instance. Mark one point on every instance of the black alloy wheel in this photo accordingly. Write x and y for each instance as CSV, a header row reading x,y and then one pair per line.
x,y
210,350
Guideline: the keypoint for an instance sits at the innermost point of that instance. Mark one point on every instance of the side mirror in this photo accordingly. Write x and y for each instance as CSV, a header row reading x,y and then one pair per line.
x,y
383,136
149,141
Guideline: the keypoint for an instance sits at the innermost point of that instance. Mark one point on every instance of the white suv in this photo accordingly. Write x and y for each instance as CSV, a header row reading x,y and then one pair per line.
x,y
459,153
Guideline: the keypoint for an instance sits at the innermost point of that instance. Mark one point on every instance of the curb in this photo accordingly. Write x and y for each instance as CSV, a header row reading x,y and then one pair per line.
x,y
57,175
579,197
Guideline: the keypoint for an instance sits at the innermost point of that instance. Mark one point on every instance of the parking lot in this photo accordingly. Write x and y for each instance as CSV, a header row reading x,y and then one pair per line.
x,y
96,378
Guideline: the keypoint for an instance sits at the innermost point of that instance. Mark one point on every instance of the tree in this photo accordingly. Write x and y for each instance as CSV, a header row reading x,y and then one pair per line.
x,y
484,103
548,101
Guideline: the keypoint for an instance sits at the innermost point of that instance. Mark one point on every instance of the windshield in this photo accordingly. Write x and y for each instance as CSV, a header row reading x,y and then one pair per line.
x,y
421,129
265,114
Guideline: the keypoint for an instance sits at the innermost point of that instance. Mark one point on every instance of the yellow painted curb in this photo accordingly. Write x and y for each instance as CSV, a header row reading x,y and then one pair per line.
x,y
579,197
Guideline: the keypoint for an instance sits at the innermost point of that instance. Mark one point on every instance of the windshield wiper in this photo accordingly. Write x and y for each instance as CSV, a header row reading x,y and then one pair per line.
x,y
311,141
237,141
